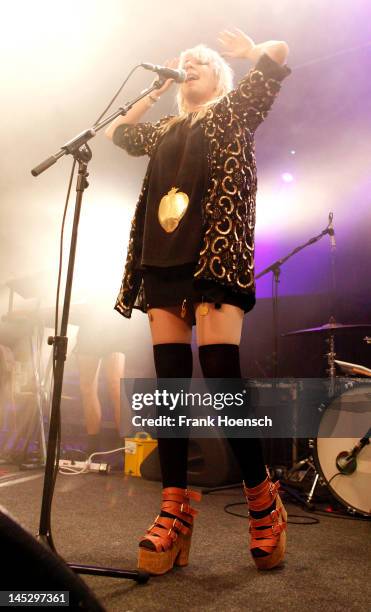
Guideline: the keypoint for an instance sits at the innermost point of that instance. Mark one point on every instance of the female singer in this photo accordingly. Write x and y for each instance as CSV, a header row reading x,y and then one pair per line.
x,y
190,262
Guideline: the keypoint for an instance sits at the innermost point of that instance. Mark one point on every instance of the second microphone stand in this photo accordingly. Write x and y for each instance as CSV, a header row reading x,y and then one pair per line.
x,y
275,268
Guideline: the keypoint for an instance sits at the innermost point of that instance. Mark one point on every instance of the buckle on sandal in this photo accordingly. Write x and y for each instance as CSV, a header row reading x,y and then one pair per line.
x,y
154,523
276,533
272,489
172,527
274,515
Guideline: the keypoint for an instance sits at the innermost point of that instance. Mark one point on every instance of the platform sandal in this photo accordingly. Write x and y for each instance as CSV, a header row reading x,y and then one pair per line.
x,y
267,534
168,540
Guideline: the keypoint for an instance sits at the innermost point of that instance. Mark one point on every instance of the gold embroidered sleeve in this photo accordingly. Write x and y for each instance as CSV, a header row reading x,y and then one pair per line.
x,y
256,92
139,139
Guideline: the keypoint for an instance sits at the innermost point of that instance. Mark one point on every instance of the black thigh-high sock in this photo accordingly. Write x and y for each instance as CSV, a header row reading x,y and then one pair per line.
x,y
173,361
223,361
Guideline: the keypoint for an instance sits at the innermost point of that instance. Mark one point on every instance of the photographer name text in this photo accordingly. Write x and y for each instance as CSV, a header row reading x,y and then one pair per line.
x,y
182,420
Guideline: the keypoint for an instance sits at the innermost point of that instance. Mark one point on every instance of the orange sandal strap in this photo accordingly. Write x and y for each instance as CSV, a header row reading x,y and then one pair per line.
x,y
263,499
268,520
161,541
165,529
274,530
183,511
265,544
179,495
169,524
164,532
265,531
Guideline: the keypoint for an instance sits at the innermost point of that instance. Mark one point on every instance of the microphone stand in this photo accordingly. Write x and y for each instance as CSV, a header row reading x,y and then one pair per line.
x,y
275,268
81,152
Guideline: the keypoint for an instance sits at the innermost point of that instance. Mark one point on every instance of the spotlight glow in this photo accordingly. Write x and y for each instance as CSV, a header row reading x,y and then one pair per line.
x,y
103,239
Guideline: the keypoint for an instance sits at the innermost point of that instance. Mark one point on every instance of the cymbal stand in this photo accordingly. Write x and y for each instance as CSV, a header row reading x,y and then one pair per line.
x,y
331,371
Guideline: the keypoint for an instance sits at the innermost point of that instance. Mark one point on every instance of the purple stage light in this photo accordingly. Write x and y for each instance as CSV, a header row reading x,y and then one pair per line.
x,y
287,177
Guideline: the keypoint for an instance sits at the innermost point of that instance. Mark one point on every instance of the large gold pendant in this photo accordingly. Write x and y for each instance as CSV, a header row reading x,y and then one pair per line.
x,y
172,209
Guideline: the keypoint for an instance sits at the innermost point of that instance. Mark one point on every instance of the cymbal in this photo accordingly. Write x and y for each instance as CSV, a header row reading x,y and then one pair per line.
x,y
327,328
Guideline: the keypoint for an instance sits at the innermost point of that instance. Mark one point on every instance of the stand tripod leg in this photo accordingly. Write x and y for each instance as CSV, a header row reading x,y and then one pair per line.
x,y
38,395
92,570
311,492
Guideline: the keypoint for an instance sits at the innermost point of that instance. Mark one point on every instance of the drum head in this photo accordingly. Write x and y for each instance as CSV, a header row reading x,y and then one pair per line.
x,y
353,490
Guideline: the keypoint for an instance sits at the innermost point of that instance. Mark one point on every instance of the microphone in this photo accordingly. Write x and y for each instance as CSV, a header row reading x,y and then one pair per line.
x,y
331,231
167,73
347,462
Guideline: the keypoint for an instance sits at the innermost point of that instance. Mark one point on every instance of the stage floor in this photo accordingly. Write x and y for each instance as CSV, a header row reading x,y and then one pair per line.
x,y
98,519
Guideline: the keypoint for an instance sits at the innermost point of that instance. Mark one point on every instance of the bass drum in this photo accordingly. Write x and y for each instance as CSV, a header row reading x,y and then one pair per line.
x,y
353,490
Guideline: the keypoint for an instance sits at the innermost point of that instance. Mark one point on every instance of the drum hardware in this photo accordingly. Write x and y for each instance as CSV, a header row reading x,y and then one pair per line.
x,y
331,354
331,329
343,465
300,471
346,462
331,326
353,369
276,268
342,457
328,464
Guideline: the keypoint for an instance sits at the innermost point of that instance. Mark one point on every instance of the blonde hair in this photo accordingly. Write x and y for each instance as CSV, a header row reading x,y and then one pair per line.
x,y
224,83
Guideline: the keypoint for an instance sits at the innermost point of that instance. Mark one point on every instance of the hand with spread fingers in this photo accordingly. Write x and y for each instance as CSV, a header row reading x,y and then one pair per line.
x,y
237,44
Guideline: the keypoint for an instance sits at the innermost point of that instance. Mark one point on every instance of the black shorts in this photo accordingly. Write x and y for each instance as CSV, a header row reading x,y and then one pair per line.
x,y
171,286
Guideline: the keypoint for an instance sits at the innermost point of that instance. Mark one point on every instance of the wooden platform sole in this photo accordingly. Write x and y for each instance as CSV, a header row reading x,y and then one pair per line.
x,y
271,561
158,563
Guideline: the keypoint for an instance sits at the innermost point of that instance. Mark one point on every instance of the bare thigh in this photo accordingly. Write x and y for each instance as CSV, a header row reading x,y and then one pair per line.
x,y
219,326
167,326
89,366
114,367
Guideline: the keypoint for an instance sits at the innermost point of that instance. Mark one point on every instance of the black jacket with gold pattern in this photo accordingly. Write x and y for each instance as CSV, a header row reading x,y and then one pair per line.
x,y
228,205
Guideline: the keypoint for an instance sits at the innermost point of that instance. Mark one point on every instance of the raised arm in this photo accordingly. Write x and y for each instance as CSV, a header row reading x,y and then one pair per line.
x,y
135,137
237,44
135,114
255,94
